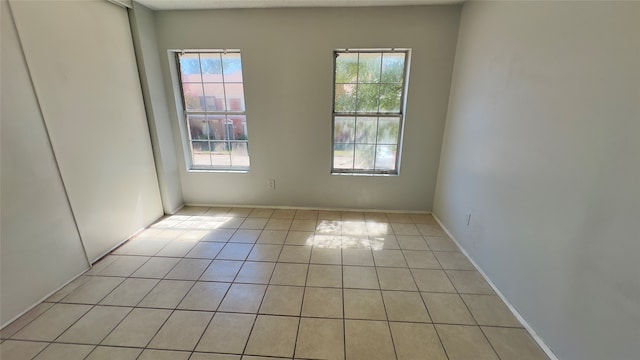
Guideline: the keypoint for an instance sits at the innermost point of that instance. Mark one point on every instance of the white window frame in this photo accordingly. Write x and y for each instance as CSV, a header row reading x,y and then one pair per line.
x,y
400,114
187,140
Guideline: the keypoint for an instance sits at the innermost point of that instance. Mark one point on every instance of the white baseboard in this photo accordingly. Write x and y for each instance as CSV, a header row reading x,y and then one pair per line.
x,y
82,273
145,227
172,212
515,312
43,299
308,208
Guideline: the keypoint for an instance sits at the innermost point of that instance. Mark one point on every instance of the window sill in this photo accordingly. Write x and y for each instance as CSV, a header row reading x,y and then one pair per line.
x,y
364,174
225,171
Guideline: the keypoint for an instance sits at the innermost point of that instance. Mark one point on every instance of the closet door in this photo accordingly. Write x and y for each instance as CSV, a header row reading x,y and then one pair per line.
x,y
40,249
81,58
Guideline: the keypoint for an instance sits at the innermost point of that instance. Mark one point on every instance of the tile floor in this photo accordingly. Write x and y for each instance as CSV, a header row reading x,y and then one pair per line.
x,y
240,283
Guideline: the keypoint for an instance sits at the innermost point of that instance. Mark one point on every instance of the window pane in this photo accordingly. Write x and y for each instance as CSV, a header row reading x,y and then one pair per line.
x,y
190,68
369,67
388,130
214,95
211,67
390,96
235,97
193,97
393,67
378,90
198,127
240,154
200,153
220,147
364,157
345,98
386,157
368,97
346,68
232,66
366,130
236,126
216,127
343,156
344,129
221,153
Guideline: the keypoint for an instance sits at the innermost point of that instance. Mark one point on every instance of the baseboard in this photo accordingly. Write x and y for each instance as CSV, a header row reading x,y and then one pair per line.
x,y
91,262
174,211
43,299
308,208
145,227
515,312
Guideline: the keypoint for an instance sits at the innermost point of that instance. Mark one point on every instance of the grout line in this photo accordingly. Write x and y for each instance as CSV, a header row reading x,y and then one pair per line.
x,y
8,337
435,328
261,301
304,289
41,351
458,293
393,343
213,314
344,321
173,310
487,338
292,285
433,325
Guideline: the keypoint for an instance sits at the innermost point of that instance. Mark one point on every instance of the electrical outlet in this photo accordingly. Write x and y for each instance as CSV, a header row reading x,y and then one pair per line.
x,y
271,184
467,219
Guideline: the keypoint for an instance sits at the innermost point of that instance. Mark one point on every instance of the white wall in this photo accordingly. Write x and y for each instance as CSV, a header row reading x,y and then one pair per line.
x,y
40,248
155,99
541,146
287,65
81,57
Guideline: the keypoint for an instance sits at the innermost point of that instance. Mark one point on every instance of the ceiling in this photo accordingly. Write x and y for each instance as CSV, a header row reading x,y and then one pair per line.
x,y
235,4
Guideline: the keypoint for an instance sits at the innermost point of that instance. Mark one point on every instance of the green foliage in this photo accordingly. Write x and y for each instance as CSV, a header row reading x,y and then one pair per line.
x,y
369,82
346,68
212,63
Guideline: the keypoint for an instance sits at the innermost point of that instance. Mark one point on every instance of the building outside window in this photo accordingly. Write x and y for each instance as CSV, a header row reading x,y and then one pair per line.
x,y
214,109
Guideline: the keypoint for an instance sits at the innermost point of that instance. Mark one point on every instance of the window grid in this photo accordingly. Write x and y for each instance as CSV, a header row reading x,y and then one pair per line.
x,y
379,114
206,118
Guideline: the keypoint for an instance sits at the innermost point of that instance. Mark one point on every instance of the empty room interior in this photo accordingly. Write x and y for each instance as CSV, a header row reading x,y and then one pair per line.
x,y
307,179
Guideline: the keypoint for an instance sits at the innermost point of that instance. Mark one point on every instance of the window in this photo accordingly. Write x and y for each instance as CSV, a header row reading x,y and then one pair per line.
x,y
368,110
214,109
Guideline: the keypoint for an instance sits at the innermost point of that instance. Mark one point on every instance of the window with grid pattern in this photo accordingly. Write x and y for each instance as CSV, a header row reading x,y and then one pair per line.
x,y
213,100
368,110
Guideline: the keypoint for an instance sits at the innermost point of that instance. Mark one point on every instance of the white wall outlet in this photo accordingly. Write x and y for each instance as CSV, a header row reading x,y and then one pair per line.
x,y
271,184
467,219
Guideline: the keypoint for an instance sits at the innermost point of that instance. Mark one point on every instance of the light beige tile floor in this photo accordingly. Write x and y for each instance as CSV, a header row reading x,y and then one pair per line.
x,y
239,283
